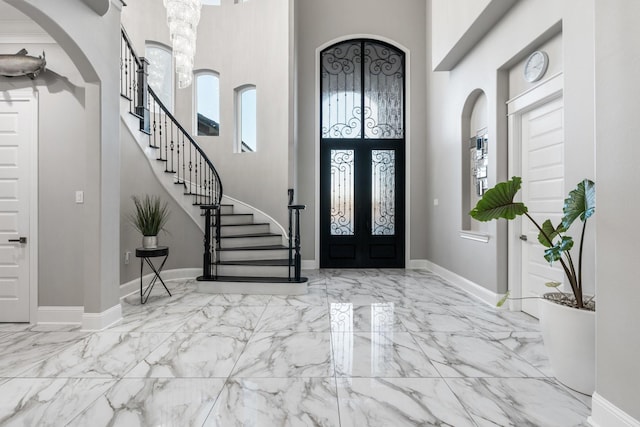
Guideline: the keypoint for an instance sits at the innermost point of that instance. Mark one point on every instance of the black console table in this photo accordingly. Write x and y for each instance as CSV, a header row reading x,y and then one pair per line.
x,y
145,255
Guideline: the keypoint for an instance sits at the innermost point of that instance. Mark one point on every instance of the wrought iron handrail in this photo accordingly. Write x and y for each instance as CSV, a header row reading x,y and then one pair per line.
x,y
183,157
295,259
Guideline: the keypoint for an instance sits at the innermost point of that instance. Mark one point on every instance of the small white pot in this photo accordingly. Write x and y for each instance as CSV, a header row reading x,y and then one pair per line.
x,y
149,242
570,340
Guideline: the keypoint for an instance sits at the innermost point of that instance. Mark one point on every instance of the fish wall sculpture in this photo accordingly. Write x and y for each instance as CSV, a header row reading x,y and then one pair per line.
x,y
21,64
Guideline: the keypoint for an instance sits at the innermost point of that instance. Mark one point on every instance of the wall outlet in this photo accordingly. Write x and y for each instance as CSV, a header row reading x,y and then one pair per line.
x,y
127,257
436,202
79,196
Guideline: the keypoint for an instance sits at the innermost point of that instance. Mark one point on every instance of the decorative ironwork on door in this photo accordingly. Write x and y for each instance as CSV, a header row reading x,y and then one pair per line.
x,y
362,91
362,155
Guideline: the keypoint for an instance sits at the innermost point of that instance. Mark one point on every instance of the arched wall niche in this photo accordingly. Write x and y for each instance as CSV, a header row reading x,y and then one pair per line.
x,y
475,157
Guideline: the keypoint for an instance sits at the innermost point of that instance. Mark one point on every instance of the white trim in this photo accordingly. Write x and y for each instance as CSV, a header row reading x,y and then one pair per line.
x,y
60,315
417,264
309,264
606,414
133,286
483,294
549,89
407,145
100,321
475,236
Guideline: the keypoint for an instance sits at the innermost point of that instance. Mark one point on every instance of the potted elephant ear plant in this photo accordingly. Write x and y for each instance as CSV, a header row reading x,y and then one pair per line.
x,y
567,319
149,218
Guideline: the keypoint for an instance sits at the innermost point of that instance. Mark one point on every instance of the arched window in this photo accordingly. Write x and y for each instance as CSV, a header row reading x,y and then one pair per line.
x,y
246,119
160,72
207,103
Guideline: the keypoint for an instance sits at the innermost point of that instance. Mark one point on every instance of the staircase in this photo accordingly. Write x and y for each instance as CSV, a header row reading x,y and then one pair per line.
x,y
245,251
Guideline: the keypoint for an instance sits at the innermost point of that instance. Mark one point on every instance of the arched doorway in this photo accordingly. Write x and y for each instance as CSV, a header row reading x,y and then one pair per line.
x,y
362,160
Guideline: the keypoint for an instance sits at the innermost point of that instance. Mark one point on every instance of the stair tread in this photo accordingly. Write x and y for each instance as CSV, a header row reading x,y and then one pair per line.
x,y
261,262
249,279
237,214
251,235
256,248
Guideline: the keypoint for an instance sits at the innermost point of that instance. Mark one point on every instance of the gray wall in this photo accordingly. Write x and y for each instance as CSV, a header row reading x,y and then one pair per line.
x,y
402,23
526,27
184,238
617,152
61,171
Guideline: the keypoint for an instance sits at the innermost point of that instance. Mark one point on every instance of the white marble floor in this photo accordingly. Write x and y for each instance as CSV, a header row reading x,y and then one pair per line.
x,y
364,348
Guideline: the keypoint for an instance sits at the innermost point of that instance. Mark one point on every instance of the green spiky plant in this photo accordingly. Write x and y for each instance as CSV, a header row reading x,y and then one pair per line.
x,y
498,202
150,215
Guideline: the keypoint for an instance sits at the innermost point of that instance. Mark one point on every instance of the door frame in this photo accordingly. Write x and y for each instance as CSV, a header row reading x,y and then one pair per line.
x,y
31,96
407,140
549,90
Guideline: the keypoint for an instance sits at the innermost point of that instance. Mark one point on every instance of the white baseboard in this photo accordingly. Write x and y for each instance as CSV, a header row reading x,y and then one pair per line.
x,y
100,321
606,414
60,315
417,264
133,286
309,264
483,294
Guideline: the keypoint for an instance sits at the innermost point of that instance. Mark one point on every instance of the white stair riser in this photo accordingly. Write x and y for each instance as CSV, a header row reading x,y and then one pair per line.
x,y
239,242
253,270
244,229
226,210
253,254
236,219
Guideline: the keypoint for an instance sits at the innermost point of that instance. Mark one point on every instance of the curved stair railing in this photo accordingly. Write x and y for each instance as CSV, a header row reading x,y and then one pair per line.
x,y
185,160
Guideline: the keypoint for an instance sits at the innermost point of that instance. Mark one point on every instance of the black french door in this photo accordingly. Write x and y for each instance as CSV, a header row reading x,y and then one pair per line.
x,y
362,156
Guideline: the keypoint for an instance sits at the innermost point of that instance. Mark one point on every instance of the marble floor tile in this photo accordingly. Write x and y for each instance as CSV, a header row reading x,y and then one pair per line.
x,y
490,319
282,402
41,327
316,295
432,318
47,402
308,318
195,355
100,355
166,318
376,317
238,321
175,402
240,299
398,402
528,345
519,402
21,350
286,355
472,355
382,354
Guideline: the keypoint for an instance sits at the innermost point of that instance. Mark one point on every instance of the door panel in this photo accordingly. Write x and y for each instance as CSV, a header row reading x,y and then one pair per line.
x,y
362,155
15,145
543,192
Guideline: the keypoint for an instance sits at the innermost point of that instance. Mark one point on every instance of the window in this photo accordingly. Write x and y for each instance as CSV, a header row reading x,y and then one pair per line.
x,y
211,2
207,103
246,113
160,72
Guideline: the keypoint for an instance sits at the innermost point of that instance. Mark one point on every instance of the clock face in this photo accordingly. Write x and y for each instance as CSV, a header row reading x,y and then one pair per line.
x,y
535,66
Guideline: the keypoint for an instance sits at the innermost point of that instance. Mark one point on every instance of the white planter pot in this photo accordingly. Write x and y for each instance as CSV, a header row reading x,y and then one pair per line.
x,y
570,340
149,242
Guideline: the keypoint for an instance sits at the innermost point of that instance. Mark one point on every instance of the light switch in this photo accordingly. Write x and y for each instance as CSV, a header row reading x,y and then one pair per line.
x,y
79,196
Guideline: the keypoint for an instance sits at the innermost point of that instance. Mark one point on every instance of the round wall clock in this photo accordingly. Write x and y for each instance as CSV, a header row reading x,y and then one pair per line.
x,y
535,66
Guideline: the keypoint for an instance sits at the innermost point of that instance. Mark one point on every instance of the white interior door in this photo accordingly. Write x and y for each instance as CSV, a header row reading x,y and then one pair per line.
x,y
542,140
17,139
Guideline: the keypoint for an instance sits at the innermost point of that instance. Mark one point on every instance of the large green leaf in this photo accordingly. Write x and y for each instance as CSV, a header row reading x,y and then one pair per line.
x,y
548,230
555,253
498,202
580,203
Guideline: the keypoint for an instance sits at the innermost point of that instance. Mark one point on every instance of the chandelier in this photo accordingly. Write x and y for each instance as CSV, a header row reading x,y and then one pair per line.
x,y
183,17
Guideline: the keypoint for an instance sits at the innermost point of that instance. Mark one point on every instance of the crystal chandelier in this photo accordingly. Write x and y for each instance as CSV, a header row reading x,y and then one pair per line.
x,y
183,17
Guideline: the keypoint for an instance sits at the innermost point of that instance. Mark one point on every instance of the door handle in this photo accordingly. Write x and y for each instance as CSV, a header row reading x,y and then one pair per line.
x,y
22,240
523,237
